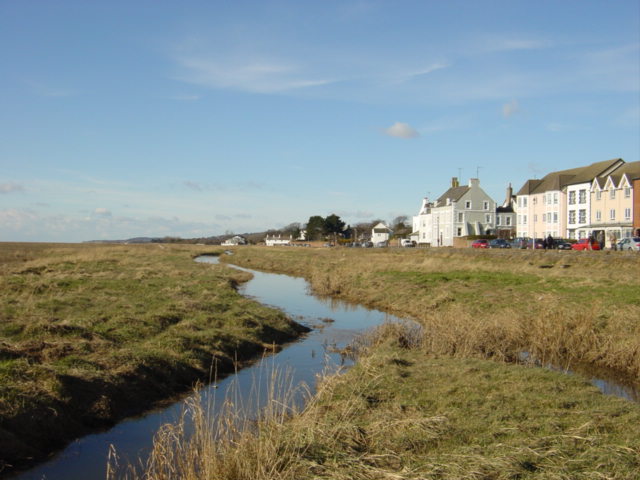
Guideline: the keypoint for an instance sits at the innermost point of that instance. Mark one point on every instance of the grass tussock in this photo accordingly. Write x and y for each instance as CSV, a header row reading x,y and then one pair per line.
x,y
569,306
92,333
401,414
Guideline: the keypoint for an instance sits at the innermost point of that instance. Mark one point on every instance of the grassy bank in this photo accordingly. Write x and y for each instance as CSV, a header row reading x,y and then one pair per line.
x,y
90,334
580,307
403,414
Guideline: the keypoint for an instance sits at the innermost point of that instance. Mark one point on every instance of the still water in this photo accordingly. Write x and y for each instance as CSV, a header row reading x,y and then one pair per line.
x,y
86,458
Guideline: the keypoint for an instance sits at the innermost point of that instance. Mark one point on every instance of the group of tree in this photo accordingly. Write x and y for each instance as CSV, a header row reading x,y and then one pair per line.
x,y
318,228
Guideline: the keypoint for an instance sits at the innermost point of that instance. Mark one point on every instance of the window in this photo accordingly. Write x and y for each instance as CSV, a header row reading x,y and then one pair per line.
x,y
544,217
612,194
498,218
572,197
555,198
467,204
555,218
507,220
525,201
487,218
459,232
524,219
598,194
627,214
612,214
582,216
460,217
485,206
535,201
627,192
572,217
598,216
582,196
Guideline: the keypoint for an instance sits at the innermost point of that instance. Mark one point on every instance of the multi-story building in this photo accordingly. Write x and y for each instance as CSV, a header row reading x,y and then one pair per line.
x,y
422,229
459,212
612,200
559,203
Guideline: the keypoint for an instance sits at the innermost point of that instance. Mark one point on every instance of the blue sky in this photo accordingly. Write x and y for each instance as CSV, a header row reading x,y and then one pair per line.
x,y
196,118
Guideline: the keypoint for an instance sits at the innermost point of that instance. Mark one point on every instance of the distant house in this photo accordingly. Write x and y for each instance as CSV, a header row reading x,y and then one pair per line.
x,y
422,230
277,240
380,233
234,241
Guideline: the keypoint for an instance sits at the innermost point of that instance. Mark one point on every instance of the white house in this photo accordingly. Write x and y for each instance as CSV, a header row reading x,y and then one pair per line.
x,y
234,241
422,229
380,233
277,240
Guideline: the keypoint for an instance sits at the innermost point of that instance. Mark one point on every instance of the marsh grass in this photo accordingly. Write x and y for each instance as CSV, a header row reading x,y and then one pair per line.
x,y
566,306
92,333
402,414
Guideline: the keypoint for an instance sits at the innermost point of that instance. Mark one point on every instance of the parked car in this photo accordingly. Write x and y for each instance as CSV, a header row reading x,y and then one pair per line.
x,y
535,243
519,242
630,243
480,243
499,243
405,242
585,244
563,244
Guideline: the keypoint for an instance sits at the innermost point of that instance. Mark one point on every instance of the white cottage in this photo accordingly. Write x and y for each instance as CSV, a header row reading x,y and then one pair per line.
x,y
380,233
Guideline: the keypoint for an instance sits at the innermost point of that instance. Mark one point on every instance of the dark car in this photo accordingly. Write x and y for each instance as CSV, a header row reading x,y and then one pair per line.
x,y
563,244
499,243
480,243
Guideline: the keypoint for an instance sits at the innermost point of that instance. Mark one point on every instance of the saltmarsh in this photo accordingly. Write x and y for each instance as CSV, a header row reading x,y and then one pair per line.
x,y
92,333
579,307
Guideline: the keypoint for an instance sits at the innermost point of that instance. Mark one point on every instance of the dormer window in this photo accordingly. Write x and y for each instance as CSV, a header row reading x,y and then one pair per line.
x,y
612,194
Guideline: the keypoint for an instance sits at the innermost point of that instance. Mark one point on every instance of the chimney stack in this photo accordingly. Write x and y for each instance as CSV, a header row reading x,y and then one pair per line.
x,y
454,182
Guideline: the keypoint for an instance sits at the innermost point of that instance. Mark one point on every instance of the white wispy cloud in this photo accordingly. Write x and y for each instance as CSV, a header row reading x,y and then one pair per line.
x,y
11,187
401,130
260,76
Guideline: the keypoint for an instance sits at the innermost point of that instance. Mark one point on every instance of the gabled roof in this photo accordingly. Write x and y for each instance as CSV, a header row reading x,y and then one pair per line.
x,y
562,178
453,194
631,170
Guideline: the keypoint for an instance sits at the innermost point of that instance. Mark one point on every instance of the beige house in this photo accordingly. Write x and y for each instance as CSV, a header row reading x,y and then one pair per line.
x,y
612,204
543,208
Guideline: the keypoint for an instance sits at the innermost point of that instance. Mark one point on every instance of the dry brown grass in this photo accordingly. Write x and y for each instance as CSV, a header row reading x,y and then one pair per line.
x,y
399,414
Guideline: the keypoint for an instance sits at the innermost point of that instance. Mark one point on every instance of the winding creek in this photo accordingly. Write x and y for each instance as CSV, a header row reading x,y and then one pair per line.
x,y
86,458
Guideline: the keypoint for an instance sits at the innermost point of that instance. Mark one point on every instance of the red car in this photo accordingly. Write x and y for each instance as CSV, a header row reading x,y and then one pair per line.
x,y
583,244
481,243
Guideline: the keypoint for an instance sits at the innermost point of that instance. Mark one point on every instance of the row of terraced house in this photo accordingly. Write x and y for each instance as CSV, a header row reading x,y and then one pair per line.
x,y
601,200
